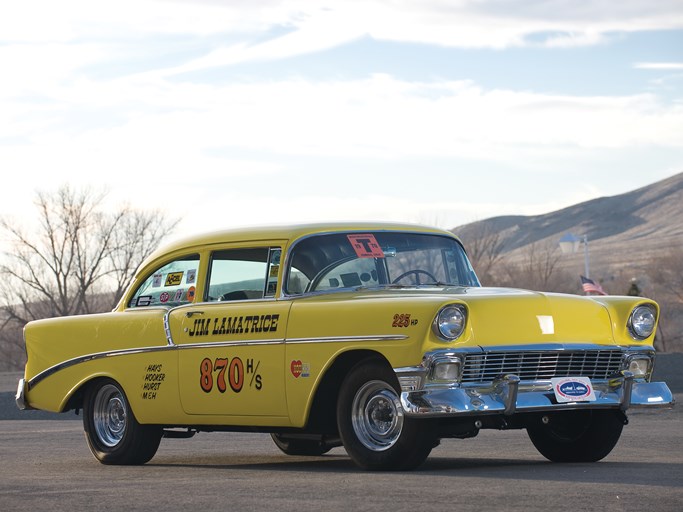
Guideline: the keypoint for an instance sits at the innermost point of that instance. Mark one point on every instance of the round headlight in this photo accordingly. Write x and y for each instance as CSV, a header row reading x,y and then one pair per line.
x,y
642,321
449,324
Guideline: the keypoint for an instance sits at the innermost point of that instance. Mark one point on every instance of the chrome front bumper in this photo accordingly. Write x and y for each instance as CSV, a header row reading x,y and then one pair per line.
x,y
507,396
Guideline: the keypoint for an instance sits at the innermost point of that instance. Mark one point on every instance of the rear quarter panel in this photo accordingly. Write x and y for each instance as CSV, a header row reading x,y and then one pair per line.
x,y
130,347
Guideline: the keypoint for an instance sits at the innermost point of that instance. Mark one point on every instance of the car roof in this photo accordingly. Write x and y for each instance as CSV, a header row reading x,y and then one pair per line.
x,y
284,232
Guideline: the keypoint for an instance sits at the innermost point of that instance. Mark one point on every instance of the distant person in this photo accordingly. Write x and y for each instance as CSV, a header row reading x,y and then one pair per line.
x,y
634,290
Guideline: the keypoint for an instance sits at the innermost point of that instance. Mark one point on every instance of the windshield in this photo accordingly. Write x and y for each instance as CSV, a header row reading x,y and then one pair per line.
x,y
348,260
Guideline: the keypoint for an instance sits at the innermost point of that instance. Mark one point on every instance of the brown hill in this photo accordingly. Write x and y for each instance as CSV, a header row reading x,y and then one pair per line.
x,y
624,231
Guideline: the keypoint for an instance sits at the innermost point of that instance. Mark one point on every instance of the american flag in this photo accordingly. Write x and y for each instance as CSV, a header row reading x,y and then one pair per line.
x,y
590,286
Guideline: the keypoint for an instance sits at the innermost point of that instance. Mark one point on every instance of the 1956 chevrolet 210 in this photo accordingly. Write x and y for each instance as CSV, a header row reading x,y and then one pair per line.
x,y
377,337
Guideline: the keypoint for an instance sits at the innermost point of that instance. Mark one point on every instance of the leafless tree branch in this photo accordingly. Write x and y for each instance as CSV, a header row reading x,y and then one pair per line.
x,y
78,261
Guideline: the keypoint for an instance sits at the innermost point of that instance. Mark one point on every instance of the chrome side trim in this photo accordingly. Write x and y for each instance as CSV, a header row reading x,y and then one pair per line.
x,y
172,346
347,339
91,357
167,328
240,343
116,353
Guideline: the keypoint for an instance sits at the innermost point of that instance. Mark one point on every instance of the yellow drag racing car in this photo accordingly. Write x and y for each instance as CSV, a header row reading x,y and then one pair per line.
x,y
377,337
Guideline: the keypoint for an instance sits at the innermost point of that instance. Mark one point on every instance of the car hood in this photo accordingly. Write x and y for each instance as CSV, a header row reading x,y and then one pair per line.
x,y
502,316
508,317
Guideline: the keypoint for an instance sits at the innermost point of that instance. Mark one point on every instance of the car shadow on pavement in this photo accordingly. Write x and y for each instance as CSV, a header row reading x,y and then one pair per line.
x,y
532,470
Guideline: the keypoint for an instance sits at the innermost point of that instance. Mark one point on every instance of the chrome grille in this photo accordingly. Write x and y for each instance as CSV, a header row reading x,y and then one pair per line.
x,y
542,365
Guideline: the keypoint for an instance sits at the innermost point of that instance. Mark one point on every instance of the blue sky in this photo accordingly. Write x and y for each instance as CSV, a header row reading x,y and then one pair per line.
x,y
253,112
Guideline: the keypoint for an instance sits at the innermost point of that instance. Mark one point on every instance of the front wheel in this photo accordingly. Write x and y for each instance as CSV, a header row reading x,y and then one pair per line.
x,y
577,436
113,434
372,426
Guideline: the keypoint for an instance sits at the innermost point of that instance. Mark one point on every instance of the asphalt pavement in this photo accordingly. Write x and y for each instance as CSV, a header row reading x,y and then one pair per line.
x,y
45,465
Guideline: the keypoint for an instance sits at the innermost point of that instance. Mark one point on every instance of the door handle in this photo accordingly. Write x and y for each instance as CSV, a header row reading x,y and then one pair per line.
x,y
190,314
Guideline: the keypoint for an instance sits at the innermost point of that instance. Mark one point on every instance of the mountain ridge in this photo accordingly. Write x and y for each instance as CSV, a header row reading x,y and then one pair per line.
x,y
650,216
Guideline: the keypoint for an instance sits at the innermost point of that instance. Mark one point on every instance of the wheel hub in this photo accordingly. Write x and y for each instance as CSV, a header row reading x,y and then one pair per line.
x,y
109,415
377,416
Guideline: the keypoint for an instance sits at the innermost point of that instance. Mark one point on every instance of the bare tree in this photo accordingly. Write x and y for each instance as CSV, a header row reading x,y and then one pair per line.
x,y
485,248
11,345
78,261
667,273
666,276
138,235
536,268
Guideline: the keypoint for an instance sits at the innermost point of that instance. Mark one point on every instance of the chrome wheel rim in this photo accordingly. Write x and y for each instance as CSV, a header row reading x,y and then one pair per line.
x,y
109,415
377,416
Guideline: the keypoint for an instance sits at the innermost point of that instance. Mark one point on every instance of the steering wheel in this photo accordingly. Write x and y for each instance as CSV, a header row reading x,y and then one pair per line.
x,y
416,272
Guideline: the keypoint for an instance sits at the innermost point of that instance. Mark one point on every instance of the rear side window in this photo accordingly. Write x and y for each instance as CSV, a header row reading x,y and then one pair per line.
x,y
243,274
170,285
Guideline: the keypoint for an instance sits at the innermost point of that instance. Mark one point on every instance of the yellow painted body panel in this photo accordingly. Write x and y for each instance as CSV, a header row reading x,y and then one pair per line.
x,y
232,358
260,362
516,317
66,353
360,317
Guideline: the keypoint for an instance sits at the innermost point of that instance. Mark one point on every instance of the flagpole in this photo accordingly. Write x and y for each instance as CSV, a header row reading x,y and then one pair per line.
x,y
569,244
585,256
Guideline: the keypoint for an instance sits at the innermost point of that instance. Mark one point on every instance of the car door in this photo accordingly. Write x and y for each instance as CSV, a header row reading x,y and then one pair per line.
x,y
231,344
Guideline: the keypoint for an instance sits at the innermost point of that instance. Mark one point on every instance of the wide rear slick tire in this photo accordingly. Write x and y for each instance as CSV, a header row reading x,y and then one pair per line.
x,y
372,426
577,436
113,434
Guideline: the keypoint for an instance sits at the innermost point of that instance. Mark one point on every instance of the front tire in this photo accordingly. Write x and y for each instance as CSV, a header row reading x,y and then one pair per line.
x,y
577,436
113,434
372,426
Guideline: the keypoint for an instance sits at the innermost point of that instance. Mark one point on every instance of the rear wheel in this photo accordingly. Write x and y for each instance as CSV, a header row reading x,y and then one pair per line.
x,y
113,434
577,436
372,426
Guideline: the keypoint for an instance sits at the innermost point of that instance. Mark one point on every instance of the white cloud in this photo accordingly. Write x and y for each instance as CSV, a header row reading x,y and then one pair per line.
x,y
321,207
316,26
379,117
160,139
666,66
313,25
72,20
